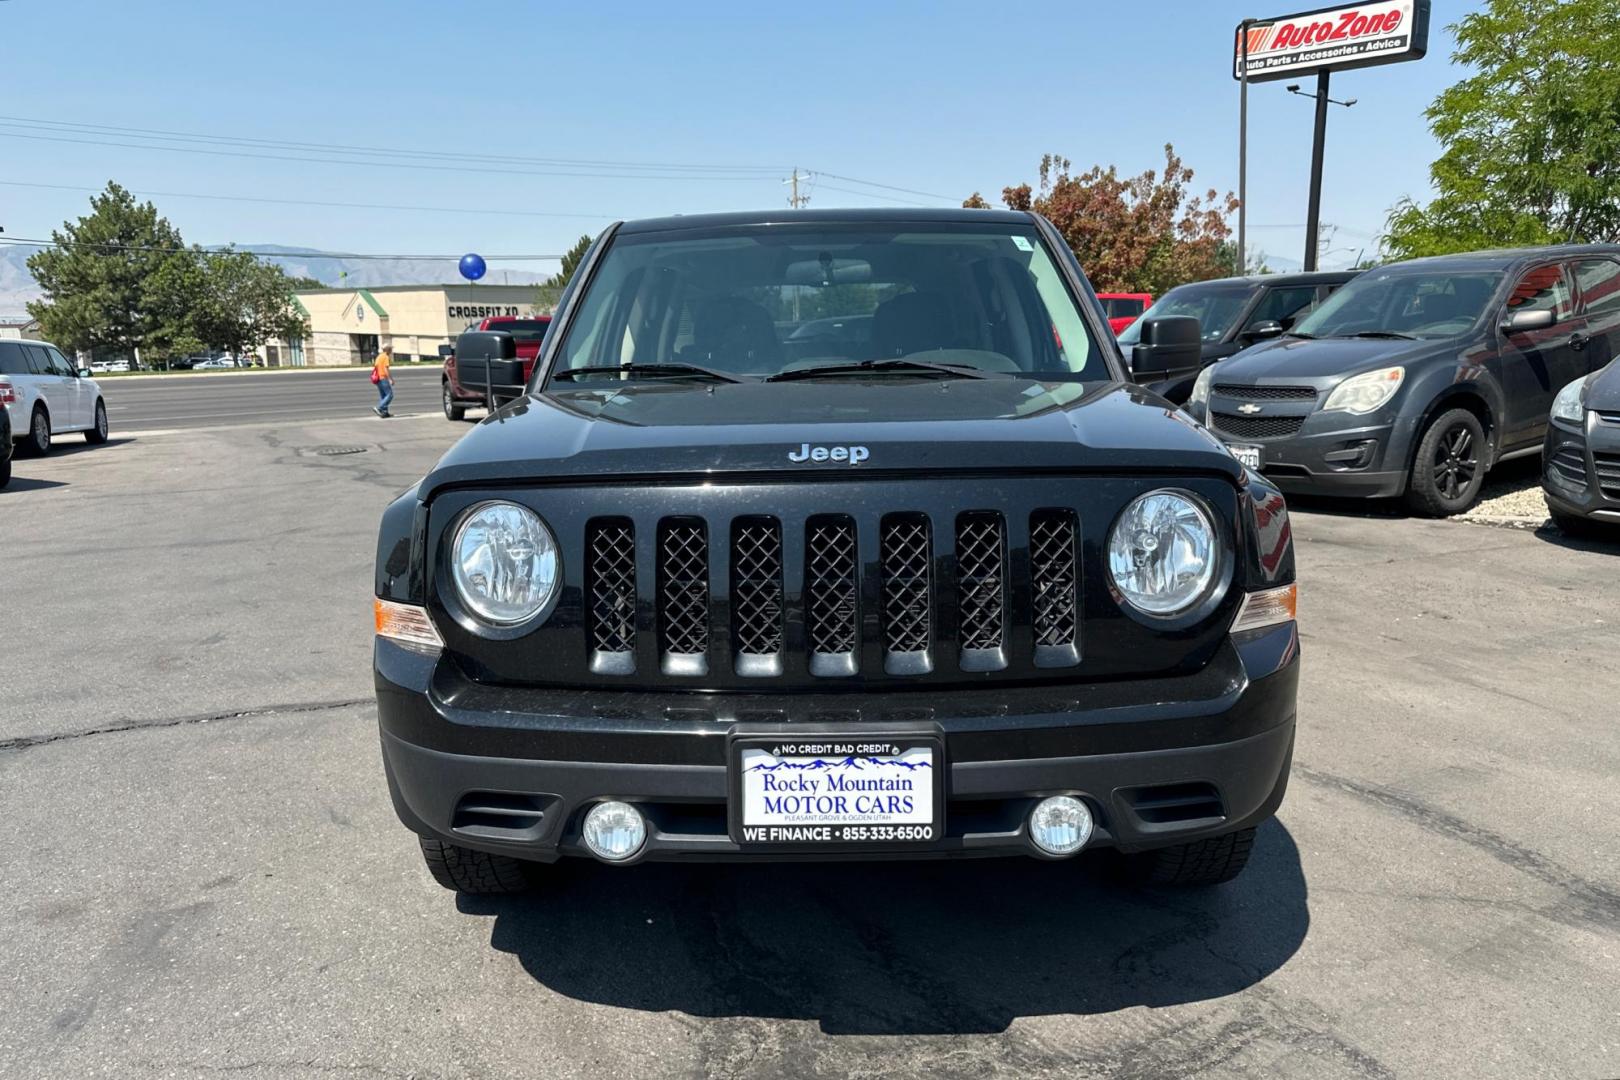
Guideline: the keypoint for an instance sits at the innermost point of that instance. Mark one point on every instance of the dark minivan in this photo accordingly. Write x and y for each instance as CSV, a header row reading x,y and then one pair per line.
x,y
1234,314
1418,377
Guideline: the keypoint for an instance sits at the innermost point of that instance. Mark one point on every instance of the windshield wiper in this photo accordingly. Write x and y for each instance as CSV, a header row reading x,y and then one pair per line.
x,y
1384,334
964,371
650,369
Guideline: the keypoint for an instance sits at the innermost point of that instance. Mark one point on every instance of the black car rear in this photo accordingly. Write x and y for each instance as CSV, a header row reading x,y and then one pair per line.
x,y
906,603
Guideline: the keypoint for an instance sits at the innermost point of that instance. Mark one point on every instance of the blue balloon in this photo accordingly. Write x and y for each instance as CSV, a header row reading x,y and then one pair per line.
x,y
472,266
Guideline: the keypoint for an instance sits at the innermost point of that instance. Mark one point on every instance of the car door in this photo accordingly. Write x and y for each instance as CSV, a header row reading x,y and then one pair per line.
x,y
1284,305
51,385
1536,364
1598,281
81,395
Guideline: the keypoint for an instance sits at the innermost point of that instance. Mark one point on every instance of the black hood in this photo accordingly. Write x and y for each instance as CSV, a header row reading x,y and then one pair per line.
x,y
687,428
1316,358
1603,392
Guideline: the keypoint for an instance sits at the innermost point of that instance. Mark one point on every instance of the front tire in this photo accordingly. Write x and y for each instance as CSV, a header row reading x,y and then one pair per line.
x,y
38,441
98,431
452,411
477,873
1212,861
1449,468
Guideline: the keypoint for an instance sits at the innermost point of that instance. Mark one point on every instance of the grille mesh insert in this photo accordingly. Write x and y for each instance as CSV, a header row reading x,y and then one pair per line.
x,y
1266,393
831,607
683,587
907,617
1570,466
1608,472
981,568
756,585
1257,427
611,568
1055,578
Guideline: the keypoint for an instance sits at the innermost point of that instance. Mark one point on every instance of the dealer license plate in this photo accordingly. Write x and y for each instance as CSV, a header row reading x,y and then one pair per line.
x,y
1248,456
812,792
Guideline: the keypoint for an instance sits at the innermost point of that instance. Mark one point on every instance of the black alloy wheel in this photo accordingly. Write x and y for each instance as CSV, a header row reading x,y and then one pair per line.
x,y
1449,468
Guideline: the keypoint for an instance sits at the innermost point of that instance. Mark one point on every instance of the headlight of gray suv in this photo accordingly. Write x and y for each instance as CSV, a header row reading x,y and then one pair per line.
x,y
504,563
1162,553
1568,406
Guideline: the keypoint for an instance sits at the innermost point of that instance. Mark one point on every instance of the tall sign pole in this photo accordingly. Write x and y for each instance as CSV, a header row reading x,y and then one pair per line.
x,y
1243,144
1313,211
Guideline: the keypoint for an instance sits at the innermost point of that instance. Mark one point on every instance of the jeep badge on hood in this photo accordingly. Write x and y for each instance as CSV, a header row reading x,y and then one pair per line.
x,y
852,454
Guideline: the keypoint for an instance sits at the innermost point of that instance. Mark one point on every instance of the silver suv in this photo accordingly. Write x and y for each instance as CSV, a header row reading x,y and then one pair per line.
x,y
48,395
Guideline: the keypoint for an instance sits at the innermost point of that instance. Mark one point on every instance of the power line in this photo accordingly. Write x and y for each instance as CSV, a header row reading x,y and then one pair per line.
x,y
18,241
869,194
371,164
317,202
885,187
72,127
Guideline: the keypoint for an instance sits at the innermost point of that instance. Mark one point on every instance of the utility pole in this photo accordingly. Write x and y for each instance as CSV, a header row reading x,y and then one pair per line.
x,y
1243,146
795,200
1313,211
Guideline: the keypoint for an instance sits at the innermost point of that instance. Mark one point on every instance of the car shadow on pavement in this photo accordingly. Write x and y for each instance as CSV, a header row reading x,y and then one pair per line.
x,y
25,483
900,947
79,446
1604,539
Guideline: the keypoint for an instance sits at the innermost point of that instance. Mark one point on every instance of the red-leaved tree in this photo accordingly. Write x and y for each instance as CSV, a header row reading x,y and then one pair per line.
x,y
1132,234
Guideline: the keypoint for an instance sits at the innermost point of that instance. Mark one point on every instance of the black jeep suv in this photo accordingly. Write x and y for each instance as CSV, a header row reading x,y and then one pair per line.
x,y
934,581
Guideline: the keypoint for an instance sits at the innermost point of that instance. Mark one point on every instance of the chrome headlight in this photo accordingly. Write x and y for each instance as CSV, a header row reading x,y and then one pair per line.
x,y
1162,553
504,563
1361,394
1568,405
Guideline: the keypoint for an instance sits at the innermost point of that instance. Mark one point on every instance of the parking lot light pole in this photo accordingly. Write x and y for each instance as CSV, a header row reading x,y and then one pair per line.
x,y
1243,142
1313,212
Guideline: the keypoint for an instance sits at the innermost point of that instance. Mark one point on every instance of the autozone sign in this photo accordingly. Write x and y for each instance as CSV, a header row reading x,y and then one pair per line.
x,y
1335,38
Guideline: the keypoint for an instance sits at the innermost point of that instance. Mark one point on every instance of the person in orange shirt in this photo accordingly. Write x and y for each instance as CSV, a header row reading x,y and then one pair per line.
x,y
380,374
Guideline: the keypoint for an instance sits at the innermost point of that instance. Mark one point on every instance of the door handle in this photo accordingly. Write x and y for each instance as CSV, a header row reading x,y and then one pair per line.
x,y
1578,340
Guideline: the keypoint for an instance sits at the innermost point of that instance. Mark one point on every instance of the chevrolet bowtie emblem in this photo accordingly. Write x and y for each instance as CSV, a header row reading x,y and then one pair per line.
x,y
1248,410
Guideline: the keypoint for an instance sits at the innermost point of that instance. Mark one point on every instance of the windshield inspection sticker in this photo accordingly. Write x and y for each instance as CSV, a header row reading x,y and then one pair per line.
x,y
1021,243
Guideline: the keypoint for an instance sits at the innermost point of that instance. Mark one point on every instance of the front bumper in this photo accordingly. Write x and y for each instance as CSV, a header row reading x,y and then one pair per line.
x,y
1337,453
1160,761
1580,468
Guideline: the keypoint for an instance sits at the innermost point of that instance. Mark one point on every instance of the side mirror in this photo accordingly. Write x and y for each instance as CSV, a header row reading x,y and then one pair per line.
x,y
1517,322
487,362
84,373
1170,347
1260,331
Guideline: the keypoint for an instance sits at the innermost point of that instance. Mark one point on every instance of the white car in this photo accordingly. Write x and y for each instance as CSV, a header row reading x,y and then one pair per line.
x,y
48,396
219,363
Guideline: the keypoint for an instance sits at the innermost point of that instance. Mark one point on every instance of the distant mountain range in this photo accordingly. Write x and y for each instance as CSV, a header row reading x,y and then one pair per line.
x,y
17,285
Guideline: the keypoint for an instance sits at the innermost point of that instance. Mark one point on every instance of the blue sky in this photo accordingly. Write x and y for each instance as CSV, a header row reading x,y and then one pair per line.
x,y
942,98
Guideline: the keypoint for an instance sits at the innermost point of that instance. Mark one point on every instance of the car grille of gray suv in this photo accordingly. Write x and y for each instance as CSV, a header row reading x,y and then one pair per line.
x,y
920,601
1265,393
1256,427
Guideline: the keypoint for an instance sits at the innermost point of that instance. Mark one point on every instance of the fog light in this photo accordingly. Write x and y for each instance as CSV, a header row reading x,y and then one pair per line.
x,y
614,831
1060,825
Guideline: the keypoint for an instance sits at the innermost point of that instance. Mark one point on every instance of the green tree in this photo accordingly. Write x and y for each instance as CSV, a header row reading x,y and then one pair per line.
x,y
570,263
1531,140
242,301
110,279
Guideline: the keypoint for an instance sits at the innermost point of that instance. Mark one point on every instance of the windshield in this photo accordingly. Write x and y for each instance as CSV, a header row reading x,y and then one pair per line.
x,y
1416,303
756,301
1216,307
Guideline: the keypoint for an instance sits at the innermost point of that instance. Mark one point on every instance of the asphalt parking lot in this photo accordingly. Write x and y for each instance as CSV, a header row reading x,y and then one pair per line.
x,y
203,875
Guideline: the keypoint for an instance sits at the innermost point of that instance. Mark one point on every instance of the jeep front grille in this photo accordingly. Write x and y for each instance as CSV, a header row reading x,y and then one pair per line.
x,y
981,585
908,615
756,595
610,573
806,596
831,596
1055,576
683,596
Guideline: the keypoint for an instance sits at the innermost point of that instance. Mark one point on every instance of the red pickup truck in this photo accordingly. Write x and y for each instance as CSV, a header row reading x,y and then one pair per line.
x,y
527,333
1124,308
